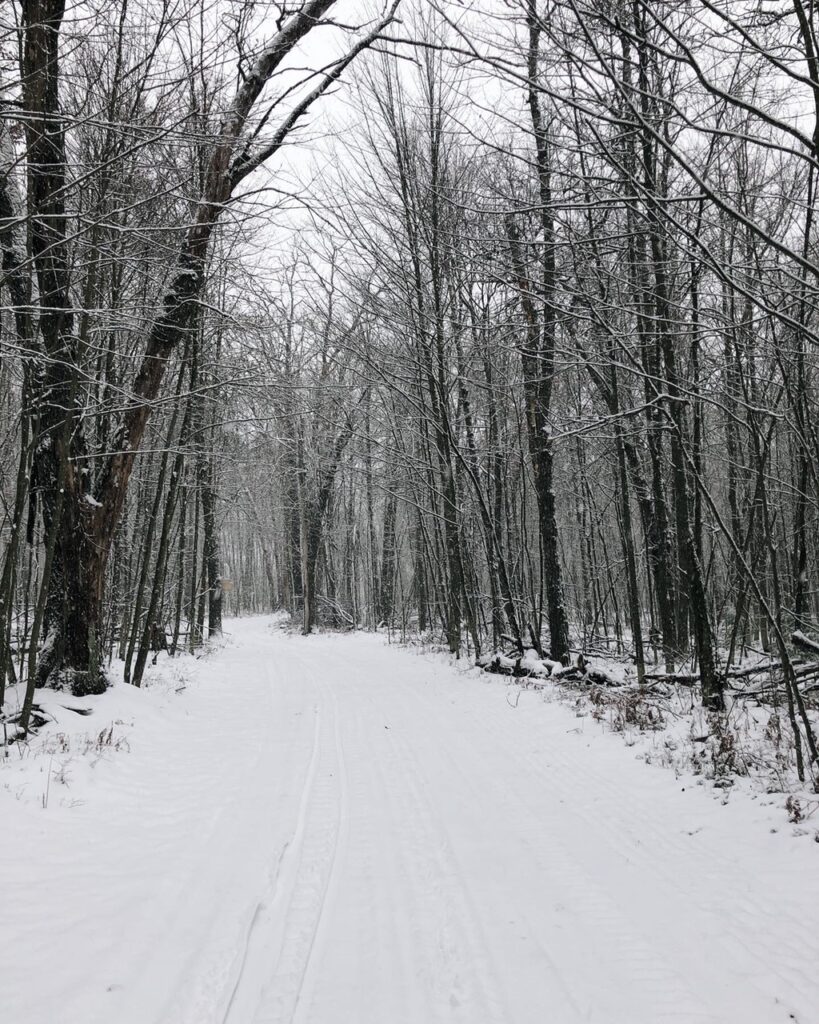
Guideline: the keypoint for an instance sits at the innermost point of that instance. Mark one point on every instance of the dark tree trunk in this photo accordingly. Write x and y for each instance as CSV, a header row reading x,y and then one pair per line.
x,y
210,541
691,593
314,513
538,352
92,508
386,589
537,357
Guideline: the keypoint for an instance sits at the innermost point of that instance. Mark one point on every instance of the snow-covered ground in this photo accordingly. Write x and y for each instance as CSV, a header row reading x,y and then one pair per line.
x,y
328,830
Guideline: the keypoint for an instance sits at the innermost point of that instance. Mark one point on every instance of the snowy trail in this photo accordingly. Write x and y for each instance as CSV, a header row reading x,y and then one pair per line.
x,y
339,832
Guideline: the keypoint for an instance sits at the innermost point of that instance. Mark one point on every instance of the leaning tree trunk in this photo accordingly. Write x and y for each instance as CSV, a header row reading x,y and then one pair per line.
x,y
91,509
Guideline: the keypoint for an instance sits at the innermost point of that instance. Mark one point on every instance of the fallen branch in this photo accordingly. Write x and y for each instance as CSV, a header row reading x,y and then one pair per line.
x,y
800,640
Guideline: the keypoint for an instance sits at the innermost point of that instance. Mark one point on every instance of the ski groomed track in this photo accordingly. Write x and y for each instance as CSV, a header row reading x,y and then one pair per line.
x,y
335,831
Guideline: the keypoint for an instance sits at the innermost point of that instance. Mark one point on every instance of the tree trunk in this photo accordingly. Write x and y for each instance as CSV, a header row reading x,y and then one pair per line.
x,y
92,508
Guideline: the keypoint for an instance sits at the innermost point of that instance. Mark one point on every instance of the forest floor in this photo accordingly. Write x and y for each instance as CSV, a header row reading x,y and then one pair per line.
x,y
329,830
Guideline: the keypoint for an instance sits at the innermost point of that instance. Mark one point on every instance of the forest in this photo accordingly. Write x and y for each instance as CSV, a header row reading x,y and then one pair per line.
x,y
409,511
490,325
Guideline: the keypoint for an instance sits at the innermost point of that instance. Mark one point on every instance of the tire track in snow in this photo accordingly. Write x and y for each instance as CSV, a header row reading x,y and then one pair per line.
x,y
457,966
263,938
394,905
371,967
592,941
309,976
630,950
595,957
307,877
188,967
638,861
419,958
633,835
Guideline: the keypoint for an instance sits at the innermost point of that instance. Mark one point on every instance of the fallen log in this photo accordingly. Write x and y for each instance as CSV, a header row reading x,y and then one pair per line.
x,y
683,678
800,640
529,666
689,678
588,674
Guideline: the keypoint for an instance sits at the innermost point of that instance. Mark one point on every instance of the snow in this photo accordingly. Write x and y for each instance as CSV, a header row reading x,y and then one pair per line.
x,y
328,830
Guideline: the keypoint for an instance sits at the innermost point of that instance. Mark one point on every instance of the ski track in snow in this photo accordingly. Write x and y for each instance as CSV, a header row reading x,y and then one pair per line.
x,y
327,830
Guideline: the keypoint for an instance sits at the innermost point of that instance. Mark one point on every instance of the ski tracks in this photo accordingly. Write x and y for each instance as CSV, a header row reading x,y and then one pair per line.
x,y
327,830
276,966
566,886
722,914
439,858
558,938
364,907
